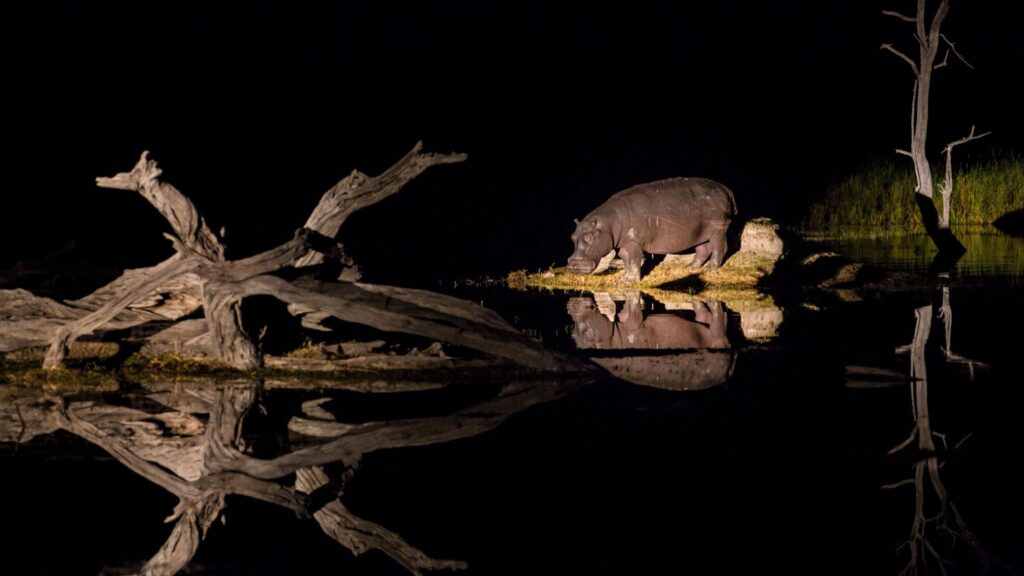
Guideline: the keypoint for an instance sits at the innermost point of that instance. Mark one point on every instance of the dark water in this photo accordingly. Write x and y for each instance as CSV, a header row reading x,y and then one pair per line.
x,y
989,252
721,448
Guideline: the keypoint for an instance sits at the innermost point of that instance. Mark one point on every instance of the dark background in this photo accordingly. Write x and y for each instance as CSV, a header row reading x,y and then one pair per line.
x,y
255,109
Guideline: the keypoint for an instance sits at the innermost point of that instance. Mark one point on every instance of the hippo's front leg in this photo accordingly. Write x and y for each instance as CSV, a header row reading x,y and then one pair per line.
x,y
633,258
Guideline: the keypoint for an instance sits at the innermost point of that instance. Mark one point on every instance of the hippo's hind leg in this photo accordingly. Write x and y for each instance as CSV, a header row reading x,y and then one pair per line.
x,y
719,246
716,246
701,254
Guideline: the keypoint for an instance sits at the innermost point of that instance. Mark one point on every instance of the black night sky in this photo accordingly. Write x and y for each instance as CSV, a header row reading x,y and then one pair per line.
x,y
254,109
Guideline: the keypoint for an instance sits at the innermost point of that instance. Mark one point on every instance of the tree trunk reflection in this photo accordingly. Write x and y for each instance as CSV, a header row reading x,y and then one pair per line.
x,y
937,524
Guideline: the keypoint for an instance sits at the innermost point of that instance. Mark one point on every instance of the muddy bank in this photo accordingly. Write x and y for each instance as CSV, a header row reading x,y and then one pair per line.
x,y
765,260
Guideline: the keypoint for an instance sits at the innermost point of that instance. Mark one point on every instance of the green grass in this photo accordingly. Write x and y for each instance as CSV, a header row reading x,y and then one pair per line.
x,y
879,200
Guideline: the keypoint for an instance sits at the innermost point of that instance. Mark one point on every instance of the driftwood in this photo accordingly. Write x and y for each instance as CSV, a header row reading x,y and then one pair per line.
x,y
191,443
199,275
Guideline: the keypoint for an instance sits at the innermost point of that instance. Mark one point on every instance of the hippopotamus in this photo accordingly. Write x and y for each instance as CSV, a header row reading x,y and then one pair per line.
x,y
631,329
663,217
693,354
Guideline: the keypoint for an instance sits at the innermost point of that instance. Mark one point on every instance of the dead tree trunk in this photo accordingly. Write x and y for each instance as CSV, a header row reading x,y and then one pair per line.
x,y
199,275
929,39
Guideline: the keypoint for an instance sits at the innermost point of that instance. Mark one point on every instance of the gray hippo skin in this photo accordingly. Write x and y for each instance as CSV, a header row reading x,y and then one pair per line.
x,y
693,354
663,217
631,329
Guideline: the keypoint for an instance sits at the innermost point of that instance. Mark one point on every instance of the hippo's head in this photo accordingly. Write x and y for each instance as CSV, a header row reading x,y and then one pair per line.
x,y
591,328
593,241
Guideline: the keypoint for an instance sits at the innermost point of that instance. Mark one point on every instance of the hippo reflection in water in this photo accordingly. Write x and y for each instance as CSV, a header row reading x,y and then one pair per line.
x,y
695,353
663,217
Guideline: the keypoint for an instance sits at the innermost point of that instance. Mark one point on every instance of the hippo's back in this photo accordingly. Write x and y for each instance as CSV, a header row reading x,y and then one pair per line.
x,y
693,196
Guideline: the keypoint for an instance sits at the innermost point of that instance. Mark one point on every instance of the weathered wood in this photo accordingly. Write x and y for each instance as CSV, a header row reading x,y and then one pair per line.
x,y
131,293
27,320
188,337
929,39
946,190
227,339
198,274
317,428
181,214
357,190
418,316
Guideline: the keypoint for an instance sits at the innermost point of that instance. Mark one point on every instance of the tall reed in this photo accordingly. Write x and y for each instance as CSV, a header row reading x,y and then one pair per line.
x,y
879,200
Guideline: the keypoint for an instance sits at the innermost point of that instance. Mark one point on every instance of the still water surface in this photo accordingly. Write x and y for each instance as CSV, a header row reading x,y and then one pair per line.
x,y
872,437
989,252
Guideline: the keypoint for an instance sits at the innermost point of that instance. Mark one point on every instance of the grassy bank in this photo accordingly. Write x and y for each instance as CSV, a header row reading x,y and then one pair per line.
x,y
879,199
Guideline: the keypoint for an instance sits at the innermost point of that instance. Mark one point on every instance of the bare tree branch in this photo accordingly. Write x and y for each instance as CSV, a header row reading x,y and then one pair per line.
x,y
928,37
179,211
952,47
890,48
894,485
896,14
970,137
393,310
358,190
919,22
199,275
940,15
947,185
130,294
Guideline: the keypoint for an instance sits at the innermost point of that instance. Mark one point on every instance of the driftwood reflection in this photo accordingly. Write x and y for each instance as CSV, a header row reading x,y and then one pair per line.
x,y
665,350
194,445
937,523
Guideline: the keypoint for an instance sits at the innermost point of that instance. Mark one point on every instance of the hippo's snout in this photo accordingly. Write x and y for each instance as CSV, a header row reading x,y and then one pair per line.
x,y
578,306
581,265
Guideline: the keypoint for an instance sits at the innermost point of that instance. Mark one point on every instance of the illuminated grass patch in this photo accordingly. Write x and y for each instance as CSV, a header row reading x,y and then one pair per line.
x,y
879,200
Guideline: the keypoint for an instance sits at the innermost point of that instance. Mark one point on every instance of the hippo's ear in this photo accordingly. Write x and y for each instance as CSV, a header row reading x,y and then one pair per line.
x,y
576,221
598,224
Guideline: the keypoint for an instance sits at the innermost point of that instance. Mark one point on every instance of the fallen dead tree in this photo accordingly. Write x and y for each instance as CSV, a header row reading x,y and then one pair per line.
x,y
199,275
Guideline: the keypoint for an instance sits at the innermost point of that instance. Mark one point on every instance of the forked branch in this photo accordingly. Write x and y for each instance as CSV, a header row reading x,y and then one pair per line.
x,y
947,185
901,55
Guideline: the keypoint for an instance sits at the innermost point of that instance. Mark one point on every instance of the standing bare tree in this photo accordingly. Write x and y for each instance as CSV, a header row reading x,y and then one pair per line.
x,y
929,40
